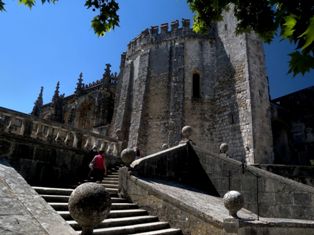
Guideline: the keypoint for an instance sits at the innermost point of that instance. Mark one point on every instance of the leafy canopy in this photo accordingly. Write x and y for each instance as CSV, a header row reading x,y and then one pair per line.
x,y
293,20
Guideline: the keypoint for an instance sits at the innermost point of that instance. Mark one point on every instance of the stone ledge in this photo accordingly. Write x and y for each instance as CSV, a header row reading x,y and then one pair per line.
x,y
23,211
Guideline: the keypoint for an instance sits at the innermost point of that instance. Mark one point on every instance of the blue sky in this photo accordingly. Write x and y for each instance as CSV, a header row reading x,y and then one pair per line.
x,y
53,43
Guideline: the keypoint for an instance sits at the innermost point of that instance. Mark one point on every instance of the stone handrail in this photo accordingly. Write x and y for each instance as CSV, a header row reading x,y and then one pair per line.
x,y
22,124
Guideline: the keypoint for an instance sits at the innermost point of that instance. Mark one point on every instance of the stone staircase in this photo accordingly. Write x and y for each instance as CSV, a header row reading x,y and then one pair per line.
x,y
124,218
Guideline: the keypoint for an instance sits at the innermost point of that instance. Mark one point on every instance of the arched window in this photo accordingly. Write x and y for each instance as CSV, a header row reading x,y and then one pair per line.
x,y
196,86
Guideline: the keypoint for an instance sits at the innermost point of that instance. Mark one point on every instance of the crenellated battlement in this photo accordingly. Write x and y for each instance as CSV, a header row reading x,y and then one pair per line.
x,y
163,33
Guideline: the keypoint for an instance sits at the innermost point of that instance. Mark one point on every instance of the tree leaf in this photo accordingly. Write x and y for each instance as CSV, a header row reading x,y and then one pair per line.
x,y
308,34
29,3
300,63
2,6
289,24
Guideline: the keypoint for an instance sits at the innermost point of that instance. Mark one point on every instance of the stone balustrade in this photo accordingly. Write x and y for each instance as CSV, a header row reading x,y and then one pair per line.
x,y
54,133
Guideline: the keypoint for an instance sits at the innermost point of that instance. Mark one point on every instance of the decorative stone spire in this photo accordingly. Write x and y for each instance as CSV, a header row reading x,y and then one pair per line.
x,y
38,103
107,75
56,94
79,85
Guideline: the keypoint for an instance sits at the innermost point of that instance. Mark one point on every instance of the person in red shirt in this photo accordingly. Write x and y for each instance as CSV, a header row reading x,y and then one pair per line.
x,y
98,165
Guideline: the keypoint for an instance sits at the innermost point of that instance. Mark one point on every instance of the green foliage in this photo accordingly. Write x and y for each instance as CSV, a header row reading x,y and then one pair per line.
x,y
107,17
294,20
2,6
300,63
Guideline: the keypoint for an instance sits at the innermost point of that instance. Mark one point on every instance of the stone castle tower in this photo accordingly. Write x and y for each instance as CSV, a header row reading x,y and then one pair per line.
x,y
215,83
170,78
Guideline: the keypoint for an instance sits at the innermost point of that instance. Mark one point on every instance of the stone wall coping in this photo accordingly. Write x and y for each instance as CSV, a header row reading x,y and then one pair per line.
x,y
281,222
211,209
26,212
150,186
259,172
201,205
139,161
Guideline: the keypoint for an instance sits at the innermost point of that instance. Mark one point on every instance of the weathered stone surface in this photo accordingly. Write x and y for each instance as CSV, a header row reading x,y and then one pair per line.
x,y
128,156
277,196
159,92
23,211
233,201
89,204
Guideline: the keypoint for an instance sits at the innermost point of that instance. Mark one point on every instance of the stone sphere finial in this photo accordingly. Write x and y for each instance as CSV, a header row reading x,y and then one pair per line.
x,y
223,148
187,132
128,156
89,204
233,201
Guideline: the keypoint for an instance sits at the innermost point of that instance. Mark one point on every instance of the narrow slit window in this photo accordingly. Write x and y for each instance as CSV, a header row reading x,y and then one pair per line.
x,y
196,86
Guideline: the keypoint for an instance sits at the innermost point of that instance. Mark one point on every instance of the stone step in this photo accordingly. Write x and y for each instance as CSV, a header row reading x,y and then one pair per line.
x,y
126,213
62,206
168,231
66,191
112,214
55,198
119,221
110,185
129,229
53,191
112,177
110,181
64,198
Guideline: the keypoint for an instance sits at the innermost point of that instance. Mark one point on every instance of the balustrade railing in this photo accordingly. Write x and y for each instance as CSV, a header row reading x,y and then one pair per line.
x,y
22,124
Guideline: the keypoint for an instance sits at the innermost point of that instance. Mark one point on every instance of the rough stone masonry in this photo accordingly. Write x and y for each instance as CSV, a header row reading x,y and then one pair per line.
x,y
215,83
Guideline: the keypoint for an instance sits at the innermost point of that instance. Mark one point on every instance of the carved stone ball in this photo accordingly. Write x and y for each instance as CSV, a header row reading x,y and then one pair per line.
x,y
187,132
128,156
223,148
89,204
233,201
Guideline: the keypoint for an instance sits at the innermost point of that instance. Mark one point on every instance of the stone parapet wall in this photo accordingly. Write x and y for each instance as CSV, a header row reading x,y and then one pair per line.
x,y
157,34
16,123
265,193
275,195
177,212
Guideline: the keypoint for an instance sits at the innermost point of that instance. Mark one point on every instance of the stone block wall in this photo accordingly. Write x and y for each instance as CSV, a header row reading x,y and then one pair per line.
x,y
157,91
174,210
46,164
275,195
246,94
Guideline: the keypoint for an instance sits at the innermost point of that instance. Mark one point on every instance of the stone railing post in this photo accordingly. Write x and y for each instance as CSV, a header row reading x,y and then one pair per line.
x,y
9,126
22,128
75,140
